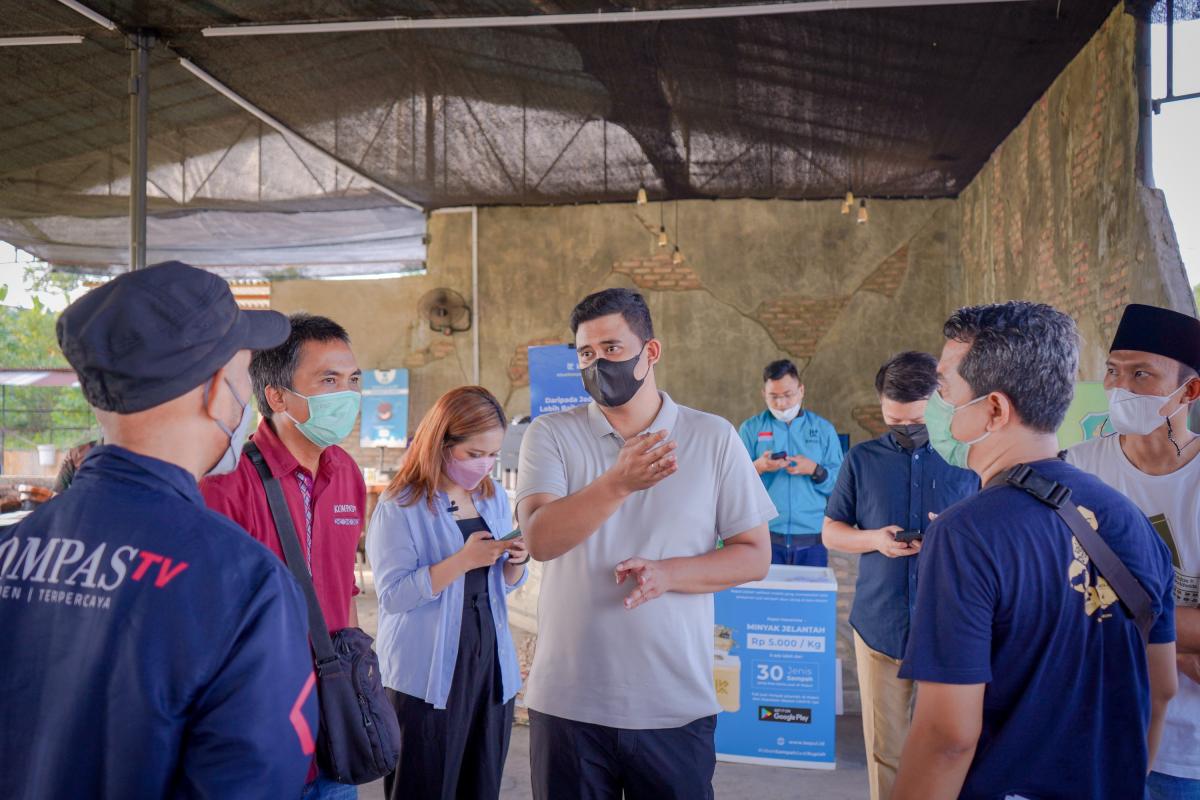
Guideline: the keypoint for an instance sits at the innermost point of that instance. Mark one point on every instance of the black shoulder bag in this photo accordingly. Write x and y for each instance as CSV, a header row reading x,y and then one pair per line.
x,y
1128,589
359,739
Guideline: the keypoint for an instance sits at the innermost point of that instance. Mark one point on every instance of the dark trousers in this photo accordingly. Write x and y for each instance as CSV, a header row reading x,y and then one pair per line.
x,y
799,550
457,752
579,761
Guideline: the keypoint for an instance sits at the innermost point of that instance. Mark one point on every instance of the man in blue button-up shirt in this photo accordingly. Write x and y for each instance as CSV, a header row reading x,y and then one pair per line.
x,y
890,485
798,454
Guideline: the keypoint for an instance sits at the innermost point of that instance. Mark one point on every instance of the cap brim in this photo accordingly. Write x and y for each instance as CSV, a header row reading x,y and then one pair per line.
x,y
262,330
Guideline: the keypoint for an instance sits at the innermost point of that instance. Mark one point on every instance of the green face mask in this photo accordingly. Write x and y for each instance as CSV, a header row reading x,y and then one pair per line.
x,y
938,416
330,416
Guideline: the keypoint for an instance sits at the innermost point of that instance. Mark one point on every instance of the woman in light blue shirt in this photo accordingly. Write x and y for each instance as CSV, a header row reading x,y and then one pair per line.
x,y
442,575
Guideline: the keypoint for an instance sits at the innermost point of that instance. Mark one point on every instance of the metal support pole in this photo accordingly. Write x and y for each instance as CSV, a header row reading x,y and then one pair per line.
x,y
475,293
139,44
1170,48
1144,166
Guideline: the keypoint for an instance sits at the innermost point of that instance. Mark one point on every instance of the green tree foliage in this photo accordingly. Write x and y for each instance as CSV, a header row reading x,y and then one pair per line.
x,y
31,414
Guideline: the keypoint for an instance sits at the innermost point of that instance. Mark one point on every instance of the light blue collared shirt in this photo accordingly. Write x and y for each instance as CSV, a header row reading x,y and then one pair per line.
x,y
418,630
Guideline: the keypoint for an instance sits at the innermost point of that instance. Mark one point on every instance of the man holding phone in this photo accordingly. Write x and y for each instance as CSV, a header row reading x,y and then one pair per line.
x,y
798,454
880,508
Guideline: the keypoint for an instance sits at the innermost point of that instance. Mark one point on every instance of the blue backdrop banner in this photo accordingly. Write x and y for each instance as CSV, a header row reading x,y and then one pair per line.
x,y
554,382
384,408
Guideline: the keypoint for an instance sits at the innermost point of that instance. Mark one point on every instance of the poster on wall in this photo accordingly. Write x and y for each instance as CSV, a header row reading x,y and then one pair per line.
x,y
384,408
1087,416
554,382
776,671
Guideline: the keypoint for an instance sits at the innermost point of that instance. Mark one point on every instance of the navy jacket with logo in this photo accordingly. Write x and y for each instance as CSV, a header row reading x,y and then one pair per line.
x,y
153,649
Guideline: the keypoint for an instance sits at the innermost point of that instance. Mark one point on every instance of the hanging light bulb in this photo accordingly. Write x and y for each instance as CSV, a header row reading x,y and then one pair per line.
x,y
641,196
677,257
862,211
663,241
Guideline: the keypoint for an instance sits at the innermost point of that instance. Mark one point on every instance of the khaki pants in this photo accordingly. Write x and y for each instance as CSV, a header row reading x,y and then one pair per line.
x,y
886,713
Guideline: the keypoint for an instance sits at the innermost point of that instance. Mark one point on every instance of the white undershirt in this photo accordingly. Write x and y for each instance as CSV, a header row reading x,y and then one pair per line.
x,y
1172,502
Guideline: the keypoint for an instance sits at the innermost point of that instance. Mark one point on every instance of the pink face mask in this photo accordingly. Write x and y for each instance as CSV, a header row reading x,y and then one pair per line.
x,y
469,472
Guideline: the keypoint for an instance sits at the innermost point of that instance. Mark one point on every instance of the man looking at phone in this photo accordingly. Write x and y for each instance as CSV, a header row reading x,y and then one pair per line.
x,y
625,499
798,454
880,506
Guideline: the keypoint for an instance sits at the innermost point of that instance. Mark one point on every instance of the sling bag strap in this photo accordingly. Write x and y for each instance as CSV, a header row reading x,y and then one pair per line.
x,y
1128,589
290,542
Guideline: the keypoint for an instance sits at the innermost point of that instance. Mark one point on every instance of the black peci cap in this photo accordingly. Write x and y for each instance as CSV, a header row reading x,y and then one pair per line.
x,y
154,334
1149,329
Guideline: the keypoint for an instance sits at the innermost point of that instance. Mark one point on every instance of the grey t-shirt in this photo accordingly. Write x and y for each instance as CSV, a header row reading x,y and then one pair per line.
x,y
650,667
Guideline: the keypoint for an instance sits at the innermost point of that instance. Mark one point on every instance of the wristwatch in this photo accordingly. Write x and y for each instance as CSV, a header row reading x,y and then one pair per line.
x,y
819,474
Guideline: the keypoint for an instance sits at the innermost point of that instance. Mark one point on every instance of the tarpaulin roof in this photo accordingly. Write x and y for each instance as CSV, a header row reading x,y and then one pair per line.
x,y
896,102
38,377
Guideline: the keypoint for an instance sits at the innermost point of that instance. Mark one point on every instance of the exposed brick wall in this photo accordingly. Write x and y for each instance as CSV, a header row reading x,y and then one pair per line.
x,y
1056,215
797,324
870,418
518,365
888,276
659,274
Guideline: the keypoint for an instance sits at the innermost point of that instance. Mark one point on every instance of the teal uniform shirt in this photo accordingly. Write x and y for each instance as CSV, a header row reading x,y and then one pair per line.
x,y
800,501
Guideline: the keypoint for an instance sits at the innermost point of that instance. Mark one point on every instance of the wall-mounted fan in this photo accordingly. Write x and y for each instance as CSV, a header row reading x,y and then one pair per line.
x,y
446,311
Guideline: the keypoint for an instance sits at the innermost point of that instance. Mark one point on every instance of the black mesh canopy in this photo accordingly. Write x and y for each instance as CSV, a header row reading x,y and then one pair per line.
x,y
889,102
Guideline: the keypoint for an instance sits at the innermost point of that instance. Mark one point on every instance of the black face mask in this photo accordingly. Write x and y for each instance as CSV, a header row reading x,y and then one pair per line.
x,y
611,383
910,437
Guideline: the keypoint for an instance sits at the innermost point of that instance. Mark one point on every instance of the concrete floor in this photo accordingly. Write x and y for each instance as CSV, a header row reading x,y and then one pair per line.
x,y
847,782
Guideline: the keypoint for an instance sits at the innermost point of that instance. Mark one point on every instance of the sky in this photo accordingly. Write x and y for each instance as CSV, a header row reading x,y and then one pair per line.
x,y
1176,163
1176,138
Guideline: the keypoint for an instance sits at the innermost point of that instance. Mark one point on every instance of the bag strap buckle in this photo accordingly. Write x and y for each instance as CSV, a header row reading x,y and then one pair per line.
x,y
1050,492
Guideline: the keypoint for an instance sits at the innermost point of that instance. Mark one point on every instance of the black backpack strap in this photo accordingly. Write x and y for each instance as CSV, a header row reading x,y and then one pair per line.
x,y
1128,588
290,542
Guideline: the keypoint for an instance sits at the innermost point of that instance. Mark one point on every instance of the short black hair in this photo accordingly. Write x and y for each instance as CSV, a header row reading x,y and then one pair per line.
x,y
780,369
626,302
277,366
907,377
1028,351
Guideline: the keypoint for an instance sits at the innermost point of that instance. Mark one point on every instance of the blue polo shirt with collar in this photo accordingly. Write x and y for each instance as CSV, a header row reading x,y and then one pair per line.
x,y
799,499
883,484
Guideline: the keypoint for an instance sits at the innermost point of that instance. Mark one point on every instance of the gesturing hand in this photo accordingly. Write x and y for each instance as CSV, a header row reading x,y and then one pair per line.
x,y
481,550
644,461
652,580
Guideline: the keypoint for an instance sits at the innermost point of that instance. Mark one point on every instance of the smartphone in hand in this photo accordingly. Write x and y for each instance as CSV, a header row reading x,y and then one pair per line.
x,y
782,454
508,537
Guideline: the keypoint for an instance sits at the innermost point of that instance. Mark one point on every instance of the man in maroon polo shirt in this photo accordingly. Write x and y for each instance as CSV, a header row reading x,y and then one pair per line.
x,y
308,391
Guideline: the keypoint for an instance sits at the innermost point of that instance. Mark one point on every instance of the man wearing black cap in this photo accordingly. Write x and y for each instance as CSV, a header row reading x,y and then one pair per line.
x,y
155,649
1151,381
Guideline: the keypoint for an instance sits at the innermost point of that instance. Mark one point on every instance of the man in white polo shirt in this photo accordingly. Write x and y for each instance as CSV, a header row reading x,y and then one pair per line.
x,y
1152,379
625,499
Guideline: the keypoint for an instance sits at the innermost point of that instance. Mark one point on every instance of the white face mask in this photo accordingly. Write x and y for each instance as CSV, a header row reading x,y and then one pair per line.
x,y
1139,414
787,415
237,437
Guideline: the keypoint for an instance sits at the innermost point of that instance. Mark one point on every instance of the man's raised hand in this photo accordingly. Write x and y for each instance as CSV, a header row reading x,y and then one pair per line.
x,y
644,461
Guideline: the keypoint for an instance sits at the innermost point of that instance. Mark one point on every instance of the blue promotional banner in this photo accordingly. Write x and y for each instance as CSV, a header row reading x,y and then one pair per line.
x,y
775,669
384,408
554,382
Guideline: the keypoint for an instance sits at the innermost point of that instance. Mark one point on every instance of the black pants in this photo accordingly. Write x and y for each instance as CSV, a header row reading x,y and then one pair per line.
x,y
579,761
458,752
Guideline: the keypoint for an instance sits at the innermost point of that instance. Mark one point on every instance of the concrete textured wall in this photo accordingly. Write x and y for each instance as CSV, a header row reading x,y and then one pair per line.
x,y
1056,215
